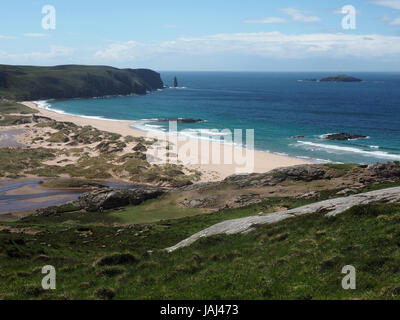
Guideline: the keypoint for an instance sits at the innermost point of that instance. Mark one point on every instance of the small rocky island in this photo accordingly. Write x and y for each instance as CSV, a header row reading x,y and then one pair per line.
x,y
340,78
344,136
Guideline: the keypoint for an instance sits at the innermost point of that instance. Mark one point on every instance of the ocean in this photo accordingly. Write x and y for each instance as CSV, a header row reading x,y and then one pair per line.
x,y
277,106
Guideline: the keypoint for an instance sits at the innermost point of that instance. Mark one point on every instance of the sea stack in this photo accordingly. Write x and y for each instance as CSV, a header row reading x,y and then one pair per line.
x,y
175,82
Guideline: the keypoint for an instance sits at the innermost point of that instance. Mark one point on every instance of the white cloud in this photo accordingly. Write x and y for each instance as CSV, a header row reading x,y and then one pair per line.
x,y
267,20
6,37
389,21
262,44
395,22
394,4
35,35
55,52
299,16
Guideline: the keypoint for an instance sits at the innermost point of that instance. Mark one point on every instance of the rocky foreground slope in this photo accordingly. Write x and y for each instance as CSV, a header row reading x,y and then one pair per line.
x,y
329,207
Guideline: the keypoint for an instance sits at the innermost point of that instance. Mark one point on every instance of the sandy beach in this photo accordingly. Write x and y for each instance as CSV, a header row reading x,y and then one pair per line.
x,y
211,170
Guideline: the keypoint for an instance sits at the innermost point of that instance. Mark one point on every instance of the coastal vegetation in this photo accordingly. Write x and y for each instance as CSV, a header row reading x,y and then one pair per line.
x,y
72,184
64,149
74,81
119,255
110,243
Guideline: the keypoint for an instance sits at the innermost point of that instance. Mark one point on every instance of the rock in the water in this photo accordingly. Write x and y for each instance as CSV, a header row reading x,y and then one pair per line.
x,y
344,136
182,120
104,199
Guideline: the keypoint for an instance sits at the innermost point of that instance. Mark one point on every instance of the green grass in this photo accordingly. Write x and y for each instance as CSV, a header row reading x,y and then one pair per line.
x,y
73,81
8,120
7,107
300,258
341,166
152,211
13,161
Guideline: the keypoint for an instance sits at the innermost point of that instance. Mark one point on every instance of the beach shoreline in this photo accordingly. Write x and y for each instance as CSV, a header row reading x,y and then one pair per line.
x,y
263,161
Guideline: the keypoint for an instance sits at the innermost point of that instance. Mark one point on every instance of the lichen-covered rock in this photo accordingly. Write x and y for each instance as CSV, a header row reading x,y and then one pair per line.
x,y
199,203
386,169
103,199
307,172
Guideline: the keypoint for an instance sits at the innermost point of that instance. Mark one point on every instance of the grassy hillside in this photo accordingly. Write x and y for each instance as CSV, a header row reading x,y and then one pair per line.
x,y
74,81
102,256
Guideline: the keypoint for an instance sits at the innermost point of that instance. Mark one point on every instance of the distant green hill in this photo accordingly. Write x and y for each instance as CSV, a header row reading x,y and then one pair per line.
x,y
74,81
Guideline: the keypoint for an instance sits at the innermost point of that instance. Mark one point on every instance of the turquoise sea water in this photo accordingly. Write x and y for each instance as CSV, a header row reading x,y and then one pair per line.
x,y
276,105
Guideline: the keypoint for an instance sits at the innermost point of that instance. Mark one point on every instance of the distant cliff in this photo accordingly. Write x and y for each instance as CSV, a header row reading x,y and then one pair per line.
x,y
74,81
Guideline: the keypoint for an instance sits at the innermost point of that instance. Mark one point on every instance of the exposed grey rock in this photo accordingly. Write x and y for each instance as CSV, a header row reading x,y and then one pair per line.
x,y
199,203
308,195
307,172
385,170
329,207
247,199
103,199
347,191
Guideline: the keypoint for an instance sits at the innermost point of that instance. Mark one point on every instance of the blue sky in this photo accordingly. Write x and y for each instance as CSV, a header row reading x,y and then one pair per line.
x,y
234,35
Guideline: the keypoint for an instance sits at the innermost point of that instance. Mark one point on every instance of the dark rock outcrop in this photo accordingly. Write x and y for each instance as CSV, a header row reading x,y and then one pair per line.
x,y
103,199
344,136
308,172
140,148
23,120
387,170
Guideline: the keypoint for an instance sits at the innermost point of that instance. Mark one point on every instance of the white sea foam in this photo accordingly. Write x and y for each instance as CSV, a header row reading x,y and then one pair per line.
x,y
376,154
